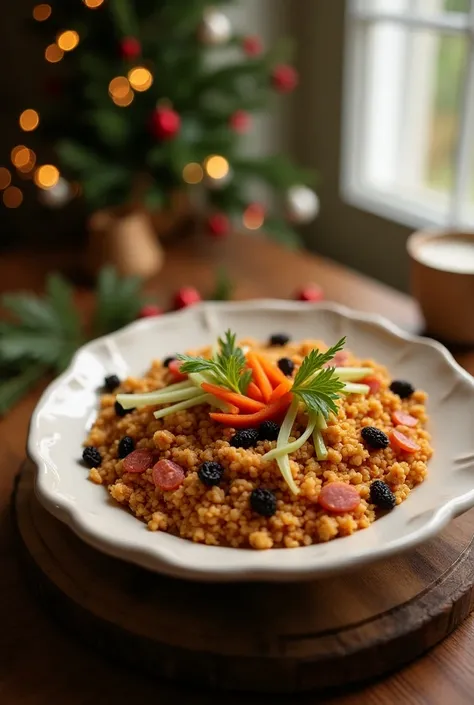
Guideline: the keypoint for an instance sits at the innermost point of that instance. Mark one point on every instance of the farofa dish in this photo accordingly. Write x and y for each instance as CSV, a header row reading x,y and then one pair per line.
x,y
262,445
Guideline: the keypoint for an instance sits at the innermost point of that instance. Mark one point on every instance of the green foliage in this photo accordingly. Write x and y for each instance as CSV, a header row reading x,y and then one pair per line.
x,y
43,332
223,287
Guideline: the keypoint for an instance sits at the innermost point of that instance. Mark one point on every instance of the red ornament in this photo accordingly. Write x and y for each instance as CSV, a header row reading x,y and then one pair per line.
x,y
310,292
150,310
284,78
218,225
130,48
252,45
186,296
165,123
240,121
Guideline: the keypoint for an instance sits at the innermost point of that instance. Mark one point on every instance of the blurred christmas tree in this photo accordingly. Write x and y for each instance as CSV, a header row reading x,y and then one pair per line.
x,y
140,107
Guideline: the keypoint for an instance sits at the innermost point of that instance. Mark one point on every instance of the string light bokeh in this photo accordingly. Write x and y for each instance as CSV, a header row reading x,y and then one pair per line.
x,y
93,4
253,216
53,54
5,178
140,78
68,40
216,167
29,120
12,197
47,176
193,173
42,12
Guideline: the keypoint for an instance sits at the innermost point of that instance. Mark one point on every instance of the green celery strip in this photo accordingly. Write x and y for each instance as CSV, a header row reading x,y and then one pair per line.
x,y
160,396
319,445
282,440
199,399
352,388
352,374
292,447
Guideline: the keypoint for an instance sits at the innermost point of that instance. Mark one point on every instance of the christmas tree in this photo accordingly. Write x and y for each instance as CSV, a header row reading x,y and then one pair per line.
x,y
140,106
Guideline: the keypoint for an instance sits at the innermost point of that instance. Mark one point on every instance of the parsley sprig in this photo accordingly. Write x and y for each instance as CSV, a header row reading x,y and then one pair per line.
x,y
226,368
316,386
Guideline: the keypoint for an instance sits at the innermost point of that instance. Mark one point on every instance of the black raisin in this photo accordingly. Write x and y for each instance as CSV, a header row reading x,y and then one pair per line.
x,y
402,388
286,365
210,473
374,437
268,431
167,360
279,339
120,411
111,383
381,495
91,457
263,502
246,438
126,445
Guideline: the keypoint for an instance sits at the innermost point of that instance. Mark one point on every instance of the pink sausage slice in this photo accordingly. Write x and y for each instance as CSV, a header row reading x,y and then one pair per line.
x,y
138,460
167,475
339,497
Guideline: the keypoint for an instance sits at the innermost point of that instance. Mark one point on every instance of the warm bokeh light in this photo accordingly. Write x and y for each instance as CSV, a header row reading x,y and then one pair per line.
x,y
53,53
254,216
5,178
46,176
126,100
216,167
41,12
20,155
68,40
12,197
29,120
193,173
140,78
93,4
30,164
119,87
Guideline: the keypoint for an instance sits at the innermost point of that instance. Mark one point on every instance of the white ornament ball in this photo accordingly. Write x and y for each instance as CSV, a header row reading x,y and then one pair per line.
x,y
215,28
57,195
302,204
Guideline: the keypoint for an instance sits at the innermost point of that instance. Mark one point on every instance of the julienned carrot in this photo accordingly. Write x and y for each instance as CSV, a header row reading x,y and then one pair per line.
x,y
259,376
239,400
282,389
269,413
273,372
254,392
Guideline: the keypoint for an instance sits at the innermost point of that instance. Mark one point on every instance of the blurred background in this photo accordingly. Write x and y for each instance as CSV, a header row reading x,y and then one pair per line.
x,y
372,101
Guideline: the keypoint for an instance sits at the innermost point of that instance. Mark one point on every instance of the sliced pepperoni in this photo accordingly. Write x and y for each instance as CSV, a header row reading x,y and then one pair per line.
x,y
340,358
138,460
168,475
401,418
372,382
339,497
174,368
401,442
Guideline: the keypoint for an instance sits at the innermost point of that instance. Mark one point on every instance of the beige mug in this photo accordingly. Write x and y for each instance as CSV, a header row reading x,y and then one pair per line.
x,y
442,280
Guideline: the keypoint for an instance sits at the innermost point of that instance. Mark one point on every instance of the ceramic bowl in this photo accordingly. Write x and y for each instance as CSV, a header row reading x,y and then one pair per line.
x,y
69,406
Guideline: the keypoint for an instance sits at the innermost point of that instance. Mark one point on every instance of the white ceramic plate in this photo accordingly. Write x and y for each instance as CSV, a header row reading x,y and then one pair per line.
x,y
69,405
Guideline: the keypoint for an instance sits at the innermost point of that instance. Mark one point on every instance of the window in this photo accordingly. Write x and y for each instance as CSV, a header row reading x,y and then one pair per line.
x,y
408,137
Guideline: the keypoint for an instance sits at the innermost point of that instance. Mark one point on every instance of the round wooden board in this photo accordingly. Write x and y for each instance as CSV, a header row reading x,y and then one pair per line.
x,y
267,637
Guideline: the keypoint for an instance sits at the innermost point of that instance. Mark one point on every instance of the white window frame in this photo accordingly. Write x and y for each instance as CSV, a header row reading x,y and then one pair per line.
x,y
428,208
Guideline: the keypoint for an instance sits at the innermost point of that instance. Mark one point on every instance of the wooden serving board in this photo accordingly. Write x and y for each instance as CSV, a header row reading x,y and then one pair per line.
x,y
267,637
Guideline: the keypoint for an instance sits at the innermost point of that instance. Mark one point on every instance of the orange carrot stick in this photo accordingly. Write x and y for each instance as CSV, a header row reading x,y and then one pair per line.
x,y
254,392
239,400
282,389
270,412
273,372
259,376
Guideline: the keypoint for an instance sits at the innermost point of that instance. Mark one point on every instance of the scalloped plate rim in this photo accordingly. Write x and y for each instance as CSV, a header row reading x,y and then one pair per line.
x,y
163,561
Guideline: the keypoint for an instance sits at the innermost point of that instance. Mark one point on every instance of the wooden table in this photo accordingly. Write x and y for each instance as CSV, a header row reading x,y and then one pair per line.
x,y
41,665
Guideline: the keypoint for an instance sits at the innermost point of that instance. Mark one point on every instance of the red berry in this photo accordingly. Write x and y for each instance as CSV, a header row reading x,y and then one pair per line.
x,y
311,292
150,310
165,123
130,48
240,121
218,225
252,45
186,296
284,78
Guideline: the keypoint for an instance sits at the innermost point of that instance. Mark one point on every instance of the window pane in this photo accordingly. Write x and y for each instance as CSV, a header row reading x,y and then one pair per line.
x,y
383,5
430,7
413,82
451,59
